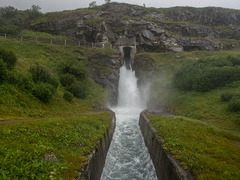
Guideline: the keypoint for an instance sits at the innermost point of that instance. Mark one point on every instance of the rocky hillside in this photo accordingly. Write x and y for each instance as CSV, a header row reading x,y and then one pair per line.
x,y
156,30
162,30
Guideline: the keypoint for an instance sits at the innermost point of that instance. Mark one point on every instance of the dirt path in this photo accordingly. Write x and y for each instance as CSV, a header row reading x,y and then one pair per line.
x,y
10,121
164,113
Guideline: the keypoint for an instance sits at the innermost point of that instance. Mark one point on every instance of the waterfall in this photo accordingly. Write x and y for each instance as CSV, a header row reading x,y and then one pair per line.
x,y
128,157
129,95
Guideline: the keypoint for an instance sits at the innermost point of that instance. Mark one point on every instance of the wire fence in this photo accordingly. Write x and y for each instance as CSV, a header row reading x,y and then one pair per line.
x,y
57,41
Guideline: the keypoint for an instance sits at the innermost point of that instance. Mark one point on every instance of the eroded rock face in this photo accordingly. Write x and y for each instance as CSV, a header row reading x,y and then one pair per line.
x,y
196,44
105,72
161,30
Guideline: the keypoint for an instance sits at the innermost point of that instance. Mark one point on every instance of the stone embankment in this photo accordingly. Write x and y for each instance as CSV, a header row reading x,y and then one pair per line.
x,y
166,167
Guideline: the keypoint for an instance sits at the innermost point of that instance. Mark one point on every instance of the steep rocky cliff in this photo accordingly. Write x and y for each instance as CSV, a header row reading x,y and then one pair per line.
x,y
162,30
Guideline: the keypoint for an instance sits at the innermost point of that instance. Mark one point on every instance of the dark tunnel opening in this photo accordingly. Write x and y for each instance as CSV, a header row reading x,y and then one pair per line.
x,y
127,57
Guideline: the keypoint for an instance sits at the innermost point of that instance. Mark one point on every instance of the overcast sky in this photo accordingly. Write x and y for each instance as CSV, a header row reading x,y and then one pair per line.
x,y
59,5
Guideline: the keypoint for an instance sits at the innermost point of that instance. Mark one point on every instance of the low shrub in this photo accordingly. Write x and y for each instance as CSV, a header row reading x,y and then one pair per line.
x,y
68,96
74,67
67,79
227,96
10,29
41,74
42,92
8,57
205,75
233,84
50,87
235,60
3,70
78,90
234,105
53,81
20,79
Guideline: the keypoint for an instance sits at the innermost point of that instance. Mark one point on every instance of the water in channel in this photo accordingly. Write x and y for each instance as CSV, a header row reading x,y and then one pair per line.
x,y
128,157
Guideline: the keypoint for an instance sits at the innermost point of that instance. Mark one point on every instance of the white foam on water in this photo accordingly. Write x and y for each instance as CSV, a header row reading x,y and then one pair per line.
x,y
128,157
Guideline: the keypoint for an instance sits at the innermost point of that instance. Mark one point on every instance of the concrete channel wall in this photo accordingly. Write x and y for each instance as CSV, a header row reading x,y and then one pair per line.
x,y
166,167
93,168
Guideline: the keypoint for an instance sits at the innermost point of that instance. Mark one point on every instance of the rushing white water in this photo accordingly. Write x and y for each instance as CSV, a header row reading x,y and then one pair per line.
x,y
128,157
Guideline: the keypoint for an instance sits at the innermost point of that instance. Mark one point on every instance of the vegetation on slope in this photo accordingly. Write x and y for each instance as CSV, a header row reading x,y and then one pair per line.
x,y
209,152
204,133
207,74
23,146
206,106
62,125
17,100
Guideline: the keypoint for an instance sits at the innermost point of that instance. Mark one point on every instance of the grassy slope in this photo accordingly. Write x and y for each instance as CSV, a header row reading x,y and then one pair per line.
x,y
207,138
18,104
210,153
204,106
23,145
208,108
69,130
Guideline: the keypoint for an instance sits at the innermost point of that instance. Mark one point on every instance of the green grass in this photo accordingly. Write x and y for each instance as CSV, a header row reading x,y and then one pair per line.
x,y
97,59
204,135
172,61
207,107
69,129
29,53
23,145
41,35
18,104
209,152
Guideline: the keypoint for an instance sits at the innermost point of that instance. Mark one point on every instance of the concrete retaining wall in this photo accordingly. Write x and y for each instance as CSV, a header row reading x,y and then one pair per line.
x,y
93,168
166,167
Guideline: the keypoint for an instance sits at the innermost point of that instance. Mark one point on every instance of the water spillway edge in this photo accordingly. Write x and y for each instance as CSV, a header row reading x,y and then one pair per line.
x,y
166,167
93,167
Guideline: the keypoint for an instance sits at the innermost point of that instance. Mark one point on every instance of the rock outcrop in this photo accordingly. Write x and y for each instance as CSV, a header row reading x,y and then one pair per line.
x,y
162,30
145,29
104,70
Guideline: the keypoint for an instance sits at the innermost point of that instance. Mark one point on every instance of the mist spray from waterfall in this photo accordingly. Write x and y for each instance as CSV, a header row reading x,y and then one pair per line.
x,y
128,157
129,95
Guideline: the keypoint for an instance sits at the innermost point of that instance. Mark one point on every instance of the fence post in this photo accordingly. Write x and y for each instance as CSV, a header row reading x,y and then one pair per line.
x,y
51,41
79,43
21,38
65,43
